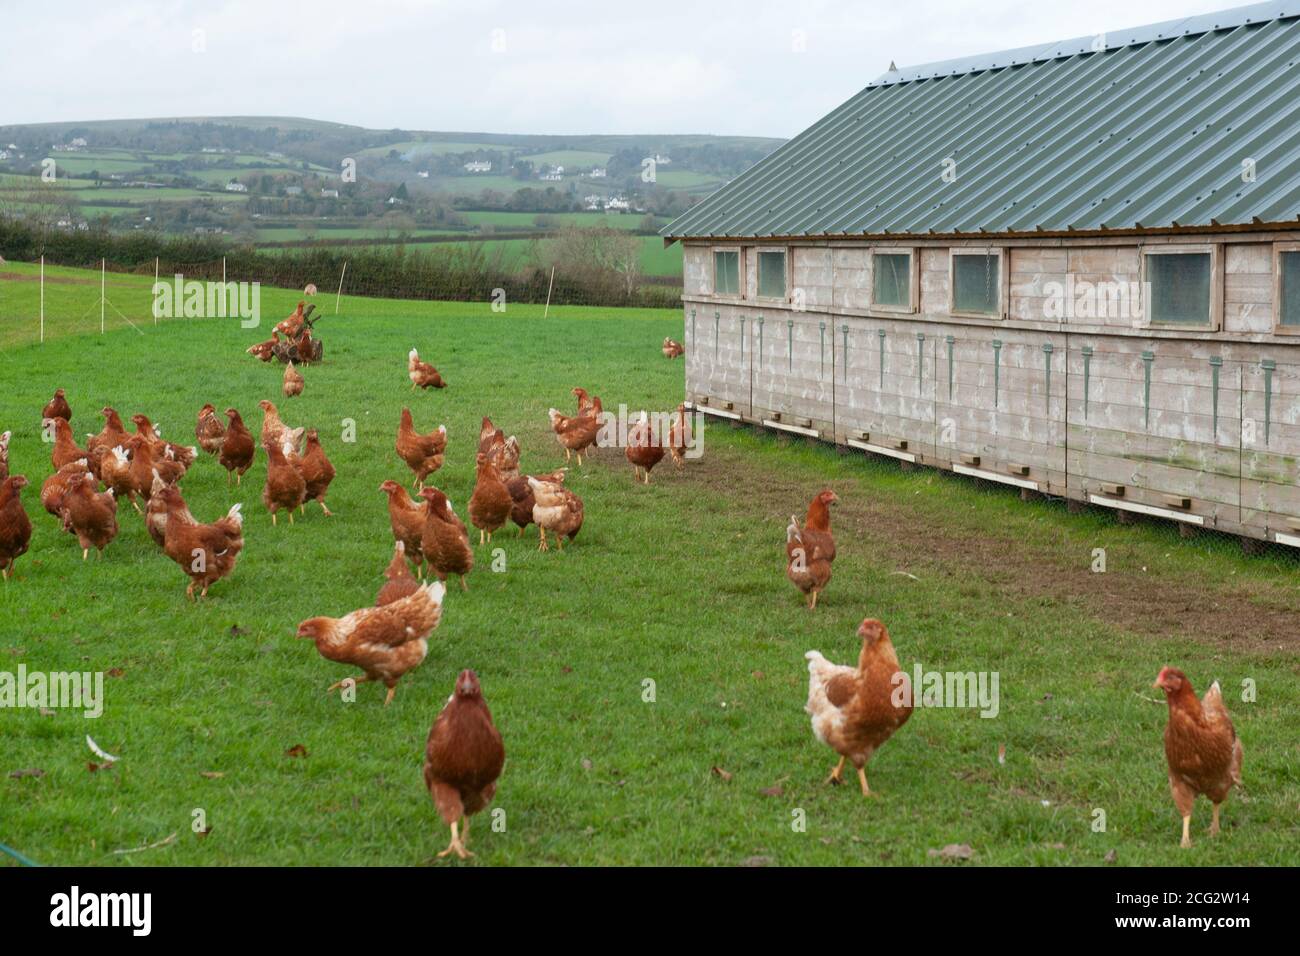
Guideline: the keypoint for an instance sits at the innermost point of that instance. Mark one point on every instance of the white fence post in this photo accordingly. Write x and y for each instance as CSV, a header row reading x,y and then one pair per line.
x,y
155,285
42,298
339,294
550,285
103,278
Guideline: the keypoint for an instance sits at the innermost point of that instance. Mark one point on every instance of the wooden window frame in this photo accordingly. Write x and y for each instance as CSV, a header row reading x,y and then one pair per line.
x,y
1215,252
789,275
1278,249
740,273
913,280
1003,279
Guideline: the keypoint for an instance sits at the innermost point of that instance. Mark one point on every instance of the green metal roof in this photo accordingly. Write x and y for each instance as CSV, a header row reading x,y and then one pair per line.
x,y
1142,129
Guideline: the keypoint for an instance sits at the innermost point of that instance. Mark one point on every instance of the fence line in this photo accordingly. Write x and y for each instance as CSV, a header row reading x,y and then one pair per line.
x,y
63,298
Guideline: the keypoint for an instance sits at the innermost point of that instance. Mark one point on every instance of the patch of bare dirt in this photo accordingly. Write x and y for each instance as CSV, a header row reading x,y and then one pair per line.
x,y
1244,616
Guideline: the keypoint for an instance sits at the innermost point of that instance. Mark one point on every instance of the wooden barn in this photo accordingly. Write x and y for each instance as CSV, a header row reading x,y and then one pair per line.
x,y
1074,269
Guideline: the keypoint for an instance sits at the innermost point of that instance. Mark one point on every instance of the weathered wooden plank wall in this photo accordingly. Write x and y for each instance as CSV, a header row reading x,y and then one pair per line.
x,y
1204,426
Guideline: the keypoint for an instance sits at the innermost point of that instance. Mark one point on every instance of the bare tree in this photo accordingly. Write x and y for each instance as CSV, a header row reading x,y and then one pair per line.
x,y
605,261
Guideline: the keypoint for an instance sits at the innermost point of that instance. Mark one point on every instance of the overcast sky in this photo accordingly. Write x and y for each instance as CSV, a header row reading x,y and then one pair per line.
x,y
542,66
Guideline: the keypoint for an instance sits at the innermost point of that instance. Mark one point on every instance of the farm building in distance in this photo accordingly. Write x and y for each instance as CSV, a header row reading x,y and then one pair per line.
x,y
1074,269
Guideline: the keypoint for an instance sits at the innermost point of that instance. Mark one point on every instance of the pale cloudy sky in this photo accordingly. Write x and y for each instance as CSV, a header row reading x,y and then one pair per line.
x,y
541,66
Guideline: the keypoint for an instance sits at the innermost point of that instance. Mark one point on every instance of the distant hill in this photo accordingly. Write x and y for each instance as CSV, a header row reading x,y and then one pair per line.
x,y
284,179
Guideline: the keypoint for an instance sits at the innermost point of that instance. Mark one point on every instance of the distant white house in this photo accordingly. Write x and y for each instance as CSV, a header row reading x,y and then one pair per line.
x,y
593,202
617,204
598,172
661,160
552,174
293,190
423,174
477,166
234,187
4,154
329,194
395,201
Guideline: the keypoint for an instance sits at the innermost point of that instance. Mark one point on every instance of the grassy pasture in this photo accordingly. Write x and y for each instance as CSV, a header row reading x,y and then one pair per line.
x,y
568,158
680,583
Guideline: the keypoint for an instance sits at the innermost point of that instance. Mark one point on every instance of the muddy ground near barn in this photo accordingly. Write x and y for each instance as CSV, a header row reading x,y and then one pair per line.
x,y
1258,613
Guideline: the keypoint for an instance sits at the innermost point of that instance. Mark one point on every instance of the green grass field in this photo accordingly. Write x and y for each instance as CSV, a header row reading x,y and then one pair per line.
x,y
680,583
656,260
568,158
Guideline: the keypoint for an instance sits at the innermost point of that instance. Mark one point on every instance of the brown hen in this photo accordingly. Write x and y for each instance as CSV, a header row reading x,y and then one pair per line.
x,y
1202,749
385,642
463,758
855,710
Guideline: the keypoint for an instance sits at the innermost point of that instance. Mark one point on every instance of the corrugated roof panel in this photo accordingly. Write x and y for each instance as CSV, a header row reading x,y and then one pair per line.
x,y
1147,134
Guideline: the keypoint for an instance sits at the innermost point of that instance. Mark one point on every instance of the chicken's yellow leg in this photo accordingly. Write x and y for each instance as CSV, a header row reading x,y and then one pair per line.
x,y
457,845
1187,838
273,521
835,777
355,680
862,778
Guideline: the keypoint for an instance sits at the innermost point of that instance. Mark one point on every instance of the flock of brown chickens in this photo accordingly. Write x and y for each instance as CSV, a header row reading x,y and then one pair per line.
x,y
854,710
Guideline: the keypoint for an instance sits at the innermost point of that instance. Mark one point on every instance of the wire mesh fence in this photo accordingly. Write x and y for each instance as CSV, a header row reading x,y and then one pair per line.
x,y
40,299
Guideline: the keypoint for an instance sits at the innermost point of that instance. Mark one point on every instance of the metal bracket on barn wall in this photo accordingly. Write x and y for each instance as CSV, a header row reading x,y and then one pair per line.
x,y
997,371
1087,378
1268,365
789,344
1147,359
1216,363
951,340
821,346
1048,349
742,362
920,362
881,336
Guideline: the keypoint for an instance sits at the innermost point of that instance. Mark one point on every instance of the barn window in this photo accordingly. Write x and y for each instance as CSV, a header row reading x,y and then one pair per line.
x,y
976,282
1180,286
726,272
893,280
771,274
1288,287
